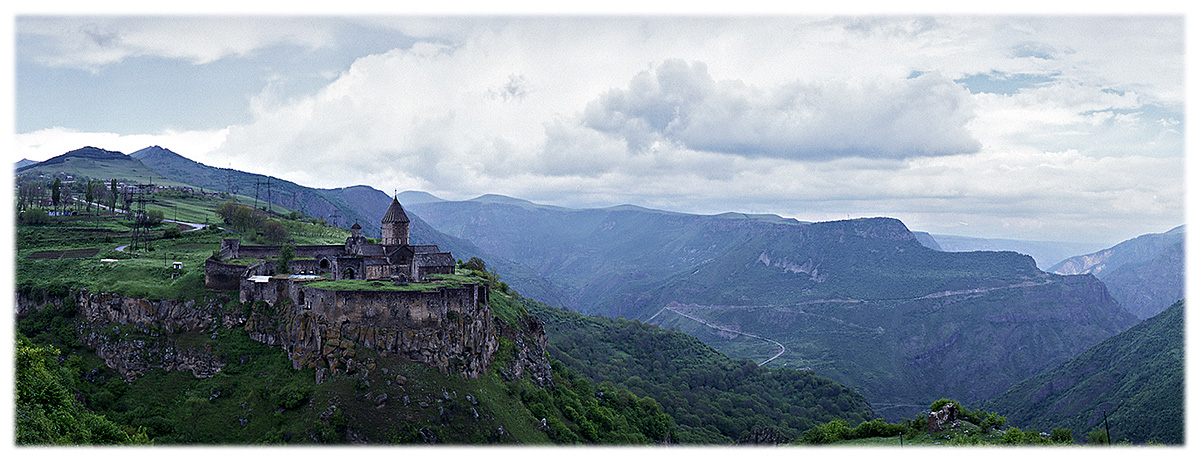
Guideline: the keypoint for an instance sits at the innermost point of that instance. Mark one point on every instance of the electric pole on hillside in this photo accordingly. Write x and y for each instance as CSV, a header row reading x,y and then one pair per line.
x,y
268,194
141,228
229,187
263,183
334,217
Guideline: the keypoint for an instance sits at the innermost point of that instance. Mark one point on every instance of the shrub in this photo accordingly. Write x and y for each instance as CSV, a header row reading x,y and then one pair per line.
x,y
876,428
292,395
827,433
34,217
1061,435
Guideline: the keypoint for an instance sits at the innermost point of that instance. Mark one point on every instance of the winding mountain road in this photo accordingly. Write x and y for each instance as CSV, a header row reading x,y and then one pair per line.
x,y
706,323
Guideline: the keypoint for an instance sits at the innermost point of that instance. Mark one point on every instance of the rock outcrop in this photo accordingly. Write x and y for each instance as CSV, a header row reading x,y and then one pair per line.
x,y
449,328
134,335
943,419
531,357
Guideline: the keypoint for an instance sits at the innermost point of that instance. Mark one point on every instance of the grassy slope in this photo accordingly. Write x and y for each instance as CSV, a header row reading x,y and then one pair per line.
x,y
1135,376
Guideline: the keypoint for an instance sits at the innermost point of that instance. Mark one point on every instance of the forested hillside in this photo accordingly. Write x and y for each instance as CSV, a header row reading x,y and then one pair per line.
x,y
1135,378
712,398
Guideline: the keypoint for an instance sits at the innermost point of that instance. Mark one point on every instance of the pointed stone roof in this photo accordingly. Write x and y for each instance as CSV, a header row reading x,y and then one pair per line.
x,y
395,213
355,226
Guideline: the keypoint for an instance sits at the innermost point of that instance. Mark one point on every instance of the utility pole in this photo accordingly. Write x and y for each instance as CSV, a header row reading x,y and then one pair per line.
x,y
268,194
1106,434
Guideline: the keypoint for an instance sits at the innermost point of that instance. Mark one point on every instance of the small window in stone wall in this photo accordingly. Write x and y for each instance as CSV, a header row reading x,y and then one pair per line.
x,y
300,298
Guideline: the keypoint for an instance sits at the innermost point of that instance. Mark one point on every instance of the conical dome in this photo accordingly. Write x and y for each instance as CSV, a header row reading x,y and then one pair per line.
x,y
395,213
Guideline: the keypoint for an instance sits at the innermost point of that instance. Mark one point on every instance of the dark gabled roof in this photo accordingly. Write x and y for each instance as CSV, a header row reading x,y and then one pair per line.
x,y
425,249
395,213
355,226
370,249
434,260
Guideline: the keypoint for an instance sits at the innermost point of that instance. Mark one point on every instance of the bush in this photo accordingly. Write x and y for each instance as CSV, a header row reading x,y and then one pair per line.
x,y
830,432
172,232
1061,435
876,428
34,217
293,395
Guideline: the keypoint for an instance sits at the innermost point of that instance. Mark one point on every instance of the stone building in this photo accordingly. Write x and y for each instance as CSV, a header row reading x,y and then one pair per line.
x,y
358,259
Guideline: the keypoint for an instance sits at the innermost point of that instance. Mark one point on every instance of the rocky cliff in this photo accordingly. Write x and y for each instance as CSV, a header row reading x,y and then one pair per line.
x,y
452,329
134,336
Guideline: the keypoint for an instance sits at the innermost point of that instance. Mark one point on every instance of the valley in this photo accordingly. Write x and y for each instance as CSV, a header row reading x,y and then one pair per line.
x,y
861,314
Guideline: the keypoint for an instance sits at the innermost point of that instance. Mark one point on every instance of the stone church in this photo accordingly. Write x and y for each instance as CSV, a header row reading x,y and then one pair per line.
x,y
358,259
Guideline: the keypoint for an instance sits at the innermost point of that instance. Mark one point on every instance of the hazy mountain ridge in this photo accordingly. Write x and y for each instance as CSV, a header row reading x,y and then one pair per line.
x,y
1138,249
861,301
1145,274
1046,253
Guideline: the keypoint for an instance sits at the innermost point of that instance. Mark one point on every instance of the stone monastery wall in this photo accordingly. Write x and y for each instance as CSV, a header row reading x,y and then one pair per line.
x,y
450,328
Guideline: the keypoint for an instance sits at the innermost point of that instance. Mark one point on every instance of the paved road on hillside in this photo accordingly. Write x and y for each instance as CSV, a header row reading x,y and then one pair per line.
x,y
718,327
191,225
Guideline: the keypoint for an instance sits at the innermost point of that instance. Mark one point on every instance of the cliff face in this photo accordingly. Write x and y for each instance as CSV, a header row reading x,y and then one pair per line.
x,y
452,329
134,336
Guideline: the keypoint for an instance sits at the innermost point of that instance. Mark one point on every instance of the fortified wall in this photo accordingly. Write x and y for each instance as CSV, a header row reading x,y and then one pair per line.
x,y
449,328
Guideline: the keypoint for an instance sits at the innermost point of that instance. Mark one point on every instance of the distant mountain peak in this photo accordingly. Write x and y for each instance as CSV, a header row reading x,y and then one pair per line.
x,y
153,151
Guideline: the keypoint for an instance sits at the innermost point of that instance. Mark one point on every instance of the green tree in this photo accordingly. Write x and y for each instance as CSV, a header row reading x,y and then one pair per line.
x,y
48,414
112,195
1061,435
274,231
286,254
476,264
89,193
56,192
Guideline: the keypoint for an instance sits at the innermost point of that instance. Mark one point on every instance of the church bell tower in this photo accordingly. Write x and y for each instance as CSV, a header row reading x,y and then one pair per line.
x,y
395,225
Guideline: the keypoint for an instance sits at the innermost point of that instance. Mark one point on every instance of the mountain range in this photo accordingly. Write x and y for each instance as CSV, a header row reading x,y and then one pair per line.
x,y
1045,253
860,301
865,302
1144,274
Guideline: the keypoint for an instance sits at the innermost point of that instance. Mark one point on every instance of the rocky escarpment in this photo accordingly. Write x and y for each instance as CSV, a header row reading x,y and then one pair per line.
x,y
451,328
530,360
134,335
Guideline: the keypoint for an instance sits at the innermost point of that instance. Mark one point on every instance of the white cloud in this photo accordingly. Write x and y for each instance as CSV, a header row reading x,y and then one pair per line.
x,y
680,102
94,41
814,118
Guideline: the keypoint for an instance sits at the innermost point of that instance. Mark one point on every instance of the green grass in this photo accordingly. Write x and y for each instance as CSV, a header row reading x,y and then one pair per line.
x,y
144,274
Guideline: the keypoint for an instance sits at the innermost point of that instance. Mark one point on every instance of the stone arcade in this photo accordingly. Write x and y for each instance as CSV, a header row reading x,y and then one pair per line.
x,y
391,259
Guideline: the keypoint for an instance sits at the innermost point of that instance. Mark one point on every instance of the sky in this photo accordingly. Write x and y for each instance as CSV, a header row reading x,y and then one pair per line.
x,y
1036,127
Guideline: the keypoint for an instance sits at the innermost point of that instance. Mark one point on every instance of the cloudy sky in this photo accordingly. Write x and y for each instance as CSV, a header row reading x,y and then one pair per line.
x,y
1028,127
